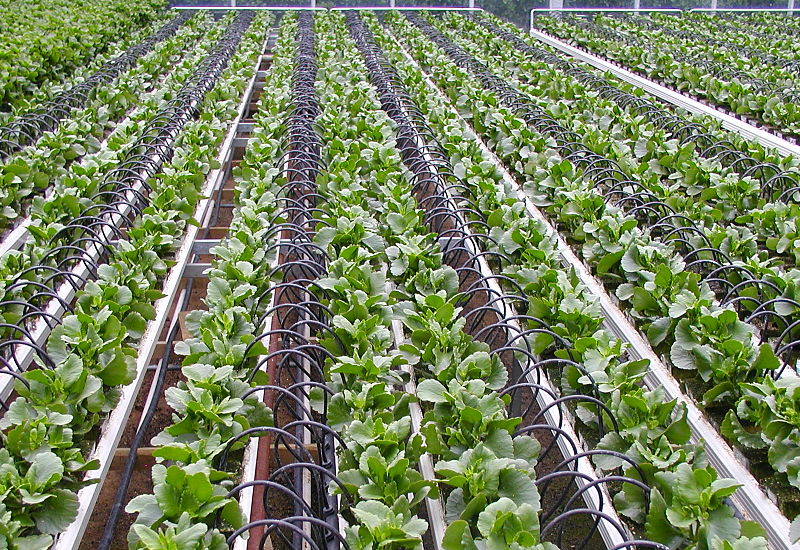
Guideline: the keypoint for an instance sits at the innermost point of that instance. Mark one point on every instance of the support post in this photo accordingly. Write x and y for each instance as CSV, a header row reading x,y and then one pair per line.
x,y
790,7
556,4
392,3
637,4
714,4
471,3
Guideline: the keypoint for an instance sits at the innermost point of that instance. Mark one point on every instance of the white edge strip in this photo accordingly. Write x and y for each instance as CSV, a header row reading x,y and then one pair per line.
x,y
436,520
250,458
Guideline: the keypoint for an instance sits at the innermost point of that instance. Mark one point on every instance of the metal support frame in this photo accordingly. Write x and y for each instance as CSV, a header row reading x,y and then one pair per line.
x,y
233,6
406,8
470,7
714,9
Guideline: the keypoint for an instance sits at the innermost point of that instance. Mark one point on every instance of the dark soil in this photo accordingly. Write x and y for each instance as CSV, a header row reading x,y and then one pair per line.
x,y
140,483
162,417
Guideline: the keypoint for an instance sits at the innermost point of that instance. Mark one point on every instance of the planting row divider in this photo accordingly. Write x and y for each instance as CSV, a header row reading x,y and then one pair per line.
x,y
114,425
750,500
748,131
611,537
251,456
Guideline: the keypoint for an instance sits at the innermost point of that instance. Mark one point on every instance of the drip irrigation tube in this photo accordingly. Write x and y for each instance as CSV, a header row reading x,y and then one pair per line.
x,y
435,180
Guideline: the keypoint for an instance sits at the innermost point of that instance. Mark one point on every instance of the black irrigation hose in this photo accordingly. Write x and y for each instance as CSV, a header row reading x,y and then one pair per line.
x,y
776,183
298,309
754,299
143,159
28,128
430,166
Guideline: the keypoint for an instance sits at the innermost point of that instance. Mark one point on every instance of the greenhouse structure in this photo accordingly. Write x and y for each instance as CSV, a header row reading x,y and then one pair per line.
x,y
469,275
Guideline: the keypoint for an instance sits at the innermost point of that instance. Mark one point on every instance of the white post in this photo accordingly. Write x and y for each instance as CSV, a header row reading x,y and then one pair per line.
x,y
637,4
714,4
233,3
391,3
313,3
791,7
556,4
471,3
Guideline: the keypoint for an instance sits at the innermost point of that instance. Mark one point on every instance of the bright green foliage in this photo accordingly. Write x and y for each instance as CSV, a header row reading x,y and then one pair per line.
x,y
44,41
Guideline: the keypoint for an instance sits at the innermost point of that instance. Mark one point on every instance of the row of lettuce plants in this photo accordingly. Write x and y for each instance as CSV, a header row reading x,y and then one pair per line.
x,y
486,474
658,440
677,311
756,47
35,168
80,188
766,428
44,41
722,200
756,190
763,97
193,503
49,430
